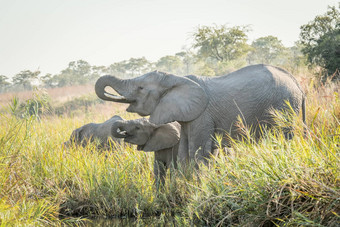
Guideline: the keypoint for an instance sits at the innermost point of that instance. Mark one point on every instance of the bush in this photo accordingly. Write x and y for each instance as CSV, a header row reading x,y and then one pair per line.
x,y
39,105
321,41
81,103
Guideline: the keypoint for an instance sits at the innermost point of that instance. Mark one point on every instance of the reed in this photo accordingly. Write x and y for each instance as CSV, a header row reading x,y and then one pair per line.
x,y
273,181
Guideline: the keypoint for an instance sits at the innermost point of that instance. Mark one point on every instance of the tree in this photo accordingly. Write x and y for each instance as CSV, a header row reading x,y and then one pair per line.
x,y
25,79
117,69
221,42
96,72
294,59
170,64
265,50
77,72
47,80
3,82
137,65
206,70
320,39
188,58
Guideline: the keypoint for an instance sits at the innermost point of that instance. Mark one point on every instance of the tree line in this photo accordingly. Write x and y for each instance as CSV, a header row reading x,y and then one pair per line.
x,y
216,50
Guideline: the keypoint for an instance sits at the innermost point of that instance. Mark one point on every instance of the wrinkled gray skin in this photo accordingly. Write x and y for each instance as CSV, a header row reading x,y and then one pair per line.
x,y
94,132
162,139
205,106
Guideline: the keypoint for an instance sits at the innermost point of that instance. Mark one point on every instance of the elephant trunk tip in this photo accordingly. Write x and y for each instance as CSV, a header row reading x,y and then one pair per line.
x,y
121,132
118,131
113,82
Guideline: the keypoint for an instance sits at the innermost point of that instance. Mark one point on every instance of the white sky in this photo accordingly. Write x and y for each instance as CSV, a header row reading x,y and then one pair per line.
x,y
46,35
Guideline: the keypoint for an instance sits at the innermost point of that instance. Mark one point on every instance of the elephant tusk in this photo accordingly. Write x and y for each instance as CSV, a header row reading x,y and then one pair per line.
x,y
117,98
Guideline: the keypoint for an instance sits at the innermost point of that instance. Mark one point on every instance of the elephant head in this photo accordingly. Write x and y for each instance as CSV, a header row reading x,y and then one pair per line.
x,y
76,137
91,132
165,97
148,136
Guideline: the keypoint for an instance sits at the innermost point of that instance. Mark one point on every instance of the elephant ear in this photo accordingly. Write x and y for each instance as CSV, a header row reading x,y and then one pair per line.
x,y
117,118
183,100
164,136
77,135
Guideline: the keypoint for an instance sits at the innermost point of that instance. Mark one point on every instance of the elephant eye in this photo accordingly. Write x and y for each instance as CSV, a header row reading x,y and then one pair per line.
x,y
137,127
140,88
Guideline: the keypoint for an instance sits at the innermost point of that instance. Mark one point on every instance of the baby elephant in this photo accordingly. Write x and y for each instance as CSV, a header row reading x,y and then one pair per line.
x,y
162,139
94,132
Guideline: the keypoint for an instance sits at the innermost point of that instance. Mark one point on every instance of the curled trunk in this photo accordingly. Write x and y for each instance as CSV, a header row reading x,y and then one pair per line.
x,y
118,129
115,83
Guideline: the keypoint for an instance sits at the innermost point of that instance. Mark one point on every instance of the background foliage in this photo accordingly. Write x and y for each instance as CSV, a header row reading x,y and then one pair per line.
x,y
216,50
320,40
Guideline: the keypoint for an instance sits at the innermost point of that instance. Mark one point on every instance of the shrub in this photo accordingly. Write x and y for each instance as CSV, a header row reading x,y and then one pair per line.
x,y
80,103
39,105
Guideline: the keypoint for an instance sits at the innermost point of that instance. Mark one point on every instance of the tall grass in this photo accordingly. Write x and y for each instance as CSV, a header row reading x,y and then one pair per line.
x,y
271,182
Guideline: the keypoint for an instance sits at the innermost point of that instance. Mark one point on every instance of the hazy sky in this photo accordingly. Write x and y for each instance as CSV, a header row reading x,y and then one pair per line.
x,y
46,35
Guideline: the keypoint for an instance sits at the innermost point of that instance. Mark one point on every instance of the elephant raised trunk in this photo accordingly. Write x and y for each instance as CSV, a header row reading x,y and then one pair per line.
x,y
115,83
118,129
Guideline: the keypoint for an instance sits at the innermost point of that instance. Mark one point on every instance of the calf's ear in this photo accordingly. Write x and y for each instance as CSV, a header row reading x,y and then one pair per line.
x,y
77,136
164,136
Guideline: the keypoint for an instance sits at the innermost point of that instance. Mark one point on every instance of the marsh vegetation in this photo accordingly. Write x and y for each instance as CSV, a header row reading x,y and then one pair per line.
x,y
270,182
293,182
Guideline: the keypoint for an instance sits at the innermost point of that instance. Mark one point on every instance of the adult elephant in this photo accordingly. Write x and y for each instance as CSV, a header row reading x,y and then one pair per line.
x,y
204,106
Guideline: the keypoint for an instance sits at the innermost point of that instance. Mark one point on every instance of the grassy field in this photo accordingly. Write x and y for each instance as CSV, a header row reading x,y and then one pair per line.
x,y
273,182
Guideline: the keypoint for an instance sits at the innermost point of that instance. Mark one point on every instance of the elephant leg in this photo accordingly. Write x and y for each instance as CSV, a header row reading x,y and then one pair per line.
x,y
201,133
171,160
159,169
183,149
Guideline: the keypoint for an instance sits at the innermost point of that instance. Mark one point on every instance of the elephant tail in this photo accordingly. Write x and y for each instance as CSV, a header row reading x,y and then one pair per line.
x,y
304,116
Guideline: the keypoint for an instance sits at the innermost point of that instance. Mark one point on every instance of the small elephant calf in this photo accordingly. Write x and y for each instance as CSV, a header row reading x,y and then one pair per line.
x,y
162,139
94,132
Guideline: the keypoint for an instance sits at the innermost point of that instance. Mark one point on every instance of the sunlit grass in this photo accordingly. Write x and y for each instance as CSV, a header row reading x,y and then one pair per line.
x,y
294,182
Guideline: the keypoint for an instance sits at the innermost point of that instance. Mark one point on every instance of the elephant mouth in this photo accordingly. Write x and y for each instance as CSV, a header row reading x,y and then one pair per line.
x,y
118,98
125,135
122,133
129,138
